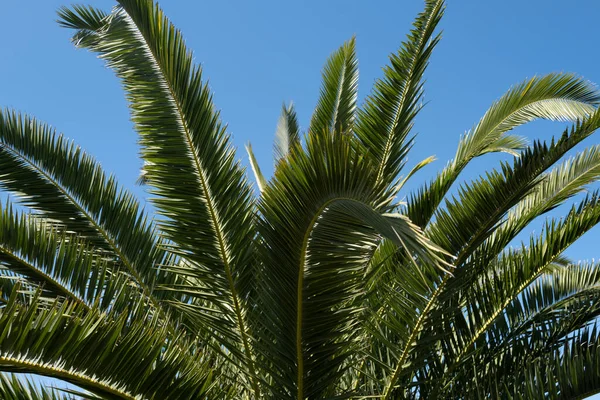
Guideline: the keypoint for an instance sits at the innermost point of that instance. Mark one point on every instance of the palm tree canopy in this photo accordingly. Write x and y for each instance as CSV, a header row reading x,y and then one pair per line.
x,y
327,280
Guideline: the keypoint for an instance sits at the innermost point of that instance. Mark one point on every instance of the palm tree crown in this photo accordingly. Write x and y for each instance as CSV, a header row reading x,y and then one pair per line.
x,y
322,284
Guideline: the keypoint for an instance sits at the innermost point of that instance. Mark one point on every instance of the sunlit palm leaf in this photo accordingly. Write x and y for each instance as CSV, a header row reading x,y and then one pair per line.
x,y
261,182
197,184
336,108
557,97
109,356
385,121
50,174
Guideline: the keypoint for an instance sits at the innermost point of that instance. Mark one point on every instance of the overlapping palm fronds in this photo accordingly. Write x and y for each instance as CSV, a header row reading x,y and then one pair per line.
x,y
320,286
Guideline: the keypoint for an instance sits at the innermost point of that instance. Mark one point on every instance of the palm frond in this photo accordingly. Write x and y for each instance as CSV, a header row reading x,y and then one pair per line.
x,y
112,356
62,264
468,220
323,212
198,186
515,272
572,372
287,134
385,121
421,164
566,180
557,97
336,107
54,177
538,322
13,387
261,182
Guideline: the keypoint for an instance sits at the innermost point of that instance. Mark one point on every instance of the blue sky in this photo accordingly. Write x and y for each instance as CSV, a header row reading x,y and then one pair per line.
x,y
260,54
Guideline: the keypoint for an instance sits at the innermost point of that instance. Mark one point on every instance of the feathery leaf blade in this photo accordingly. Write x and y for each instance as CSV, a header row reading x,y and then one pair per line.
x,y
385,121
198,186
336,107
287,134
557,97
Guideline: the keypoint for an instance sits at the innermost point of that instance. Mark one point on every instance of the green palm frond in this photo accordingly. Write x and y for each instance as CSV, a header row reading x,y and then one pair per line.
x,y
198,186
471,216
323,212
557,97
566,180
543,317
112,356
336,107
63,264
52,176
261,182
287,134
385,121
468,220
13,387
488,297
572,372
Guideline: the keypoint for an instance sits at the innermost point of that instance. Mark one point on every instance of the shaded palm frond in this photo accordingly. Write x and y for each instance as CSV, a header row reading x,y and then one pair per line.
x,y
111,356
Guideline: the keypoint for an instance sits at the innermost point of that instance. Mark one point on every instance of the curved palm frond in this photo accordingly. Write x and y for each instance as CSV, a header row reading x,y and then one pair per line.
x,y
323,214
63,264
572,372
112,356
557,97
199,187
468,220
487,299
65,186
261,182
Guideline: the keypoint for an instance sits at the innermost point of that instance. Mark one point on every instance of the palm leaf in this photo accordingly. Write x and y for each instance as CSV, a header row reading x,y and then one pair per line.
x,y
63,264
51,175
198,186
13,387
287,134
323,212
336,107
557,97
261,182
114,357
469,219
385,121
495,290
572,372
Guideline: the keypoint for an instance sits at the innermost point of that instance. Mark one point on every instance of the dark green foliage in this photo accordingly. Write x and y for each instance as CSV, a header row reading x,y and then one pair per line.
x,y
321,285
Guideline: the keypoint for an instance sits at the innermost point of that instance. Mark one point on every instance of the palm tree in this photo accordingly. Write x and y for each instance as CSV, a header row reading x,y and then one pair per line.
x,y
322,284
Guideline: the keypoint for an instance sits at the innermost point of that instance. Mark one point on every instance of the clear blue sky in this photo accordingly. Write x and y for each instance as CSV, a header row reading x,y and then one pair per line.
x,y
259,54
